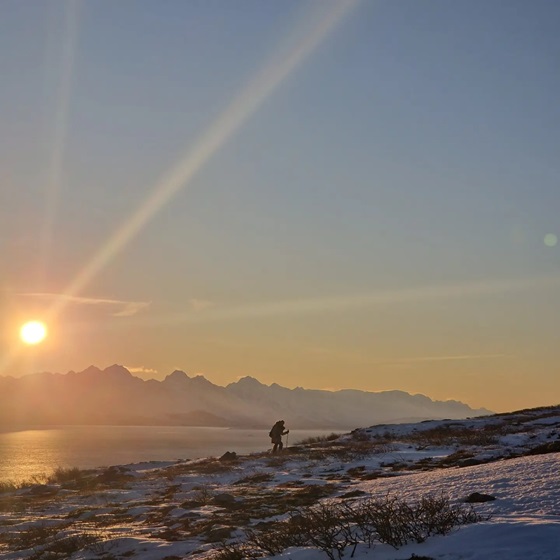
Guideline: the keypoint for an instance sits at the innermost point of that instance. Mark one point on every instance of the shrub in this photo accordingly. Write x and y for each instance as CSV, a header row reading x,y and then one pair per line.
x,y
62,474
323,526
453,434
276,537
318,439
65,546
203,494
72,477
334,526
33,535
8,486
255,478
396,522
235,551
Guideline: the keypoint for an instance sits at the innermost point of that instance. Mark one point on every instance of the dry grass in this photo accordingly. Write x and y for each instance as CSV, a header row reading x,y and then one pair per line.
x,y
446,435
256,478
318,439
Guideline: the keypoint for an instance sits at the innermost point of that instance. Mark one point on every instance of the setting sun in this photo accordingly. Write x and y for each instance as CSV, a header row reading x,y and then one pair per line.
x,y
33,332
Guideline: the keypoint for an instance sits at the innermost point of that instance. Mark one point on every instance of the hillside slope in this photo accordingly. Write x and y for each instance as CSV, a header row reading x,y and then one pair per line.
x,y
221,508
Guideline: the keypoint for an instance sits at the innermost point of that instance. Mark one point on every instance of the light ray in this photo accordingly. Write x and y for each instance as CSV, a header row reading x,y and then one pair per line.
x,y
54,173
241,108
178,177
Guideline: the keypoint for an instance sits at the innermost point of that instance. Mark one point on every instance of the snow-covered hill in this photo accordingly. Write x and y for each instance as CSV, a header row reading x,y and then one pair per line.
x,y
202,508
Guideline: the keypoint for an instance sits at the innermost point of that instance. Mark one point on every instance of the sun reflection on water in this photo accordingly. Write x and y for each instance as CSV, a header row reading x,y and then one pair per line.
x,y
31,455
28,454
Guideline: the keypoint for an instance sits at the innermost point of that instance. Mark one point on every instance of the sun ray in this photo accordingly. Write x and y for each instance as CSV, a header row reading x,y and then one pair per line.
x,y
222,130
65,72
179,176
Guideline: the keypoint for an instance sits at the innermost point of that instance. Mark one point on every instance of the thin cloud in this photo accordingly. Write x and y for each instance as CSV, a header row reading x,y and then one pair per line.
x,y
348,302
142,370
125,308
453,358
199,304
131,308
351,356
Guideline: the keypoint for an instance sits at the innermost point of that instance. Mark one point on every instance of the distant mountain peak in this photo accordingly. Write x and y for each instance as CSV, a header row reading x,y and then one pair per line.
x,y
177,375
249,381
117,369
91,370
177,379
114,395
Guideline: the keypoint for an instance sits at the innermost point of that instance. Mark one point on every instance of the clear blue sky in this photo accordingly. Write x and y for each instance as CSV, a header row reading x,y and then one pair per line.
x,y
383,218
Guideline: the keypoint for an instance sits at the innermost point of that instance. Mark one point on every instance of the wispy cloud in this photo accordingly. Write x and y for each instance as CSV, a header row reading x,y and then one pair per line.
x,y
143,371
461,357
121,308
335,353
199,304
341,303
130,308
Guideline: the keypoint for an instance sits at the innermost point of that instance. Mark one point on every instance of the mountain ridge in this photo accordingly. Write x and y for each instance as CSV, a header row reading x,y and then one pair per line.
x,y
115,396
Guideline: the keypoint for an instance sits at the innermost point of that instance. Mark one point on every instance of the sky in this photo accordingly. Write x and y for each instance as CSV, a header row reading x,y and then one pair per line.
x,y
326,194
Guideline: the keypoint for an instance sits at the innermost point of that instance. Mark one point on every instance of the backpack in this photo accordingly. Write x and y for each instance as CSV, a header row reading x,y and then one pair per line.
x,y
270,433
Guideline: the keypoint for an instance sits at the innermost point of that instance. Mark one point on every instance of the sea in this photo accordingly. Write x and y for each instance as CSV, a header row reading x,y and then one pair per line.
x,y
30,453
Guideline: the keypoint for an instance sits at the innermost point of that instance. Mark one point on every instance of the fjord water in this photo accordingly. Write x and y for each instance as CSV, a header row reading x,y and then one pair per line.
x,y
27,453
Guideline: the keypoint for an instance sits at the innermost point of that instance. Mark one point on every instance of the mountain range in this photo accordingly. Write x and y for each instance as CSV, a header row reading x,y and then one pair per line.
x,y
114,396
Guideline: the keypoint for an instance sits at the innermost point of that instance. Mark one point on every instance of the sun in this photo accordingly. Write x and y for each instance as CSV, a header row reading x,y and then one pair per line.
x,y
33,332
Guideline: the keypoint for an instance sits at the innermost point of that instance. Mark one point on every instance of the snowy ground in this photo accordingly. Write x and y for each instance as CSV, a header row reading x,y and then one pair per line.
x,y
171,511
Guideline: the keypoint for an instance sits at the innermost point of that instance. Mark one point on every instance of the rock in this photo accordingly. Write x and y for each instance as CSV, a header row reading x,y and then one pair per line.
x,y
192,515
549,447
477,498
114,474
43,490
228,456
224,499
219,534
468,462
356,471
353,494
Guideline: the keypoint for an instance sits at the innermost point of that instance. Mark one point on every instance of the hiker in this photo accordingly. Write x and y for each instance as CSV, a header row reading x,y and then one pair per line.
x,y
276,434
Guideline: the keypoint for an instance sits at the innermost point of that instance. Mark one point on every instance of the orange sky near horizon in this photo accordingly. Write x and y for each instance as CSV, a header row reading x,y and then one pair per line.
x,y
328,194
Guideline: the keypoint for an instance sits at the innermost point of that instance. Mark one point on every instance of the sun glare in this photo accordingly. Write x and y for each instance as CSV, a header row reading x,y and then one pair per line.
x,y
33,332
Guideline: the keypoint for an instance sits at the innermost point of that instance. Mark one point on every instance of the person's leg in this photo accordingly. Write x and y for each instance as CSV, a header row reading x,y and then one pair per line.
x,y
275,448
280,446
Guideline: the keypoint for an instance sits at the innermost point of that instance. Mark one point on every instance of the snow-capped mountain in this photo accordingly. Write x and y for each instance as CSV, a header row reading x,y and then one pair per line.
x,y
115,396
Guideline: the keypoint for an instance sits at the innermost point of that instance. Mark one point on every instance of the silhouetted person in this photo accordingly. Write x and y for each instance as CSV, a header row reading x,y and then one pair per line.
x,y
276,434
